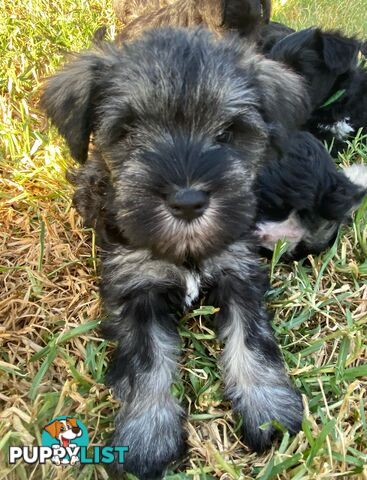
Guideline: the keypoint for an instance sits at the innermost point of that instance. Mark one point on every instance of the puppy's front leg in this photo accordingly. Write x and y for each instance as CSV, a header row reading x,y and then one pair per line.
x,y
143,300
254,375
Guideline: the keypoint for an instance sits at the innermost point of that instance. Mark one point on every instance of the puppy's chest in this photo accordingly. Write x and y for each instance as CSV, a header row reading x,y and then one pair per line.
x,y
193,286
341,129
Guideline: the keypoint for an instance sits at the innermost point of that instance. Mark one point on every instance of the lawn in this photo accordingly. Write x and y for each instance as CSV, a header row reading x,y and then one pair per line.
x,y
52,360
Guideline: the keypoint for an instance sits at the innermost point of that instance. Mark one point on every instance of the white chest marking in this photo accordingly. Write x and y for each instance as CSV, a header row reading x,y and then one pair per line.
x,y
357,174
341,129
192,288
291,230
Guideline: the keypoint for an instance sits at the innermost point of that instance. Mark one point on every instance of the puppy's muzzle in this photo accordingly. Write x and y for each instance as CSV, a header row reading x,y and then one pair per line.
x,y
188,204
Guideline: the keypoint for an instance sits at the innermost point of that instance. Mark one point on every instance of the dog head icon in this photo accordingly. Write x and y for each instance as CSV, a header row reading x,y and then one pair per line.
x,y
64,430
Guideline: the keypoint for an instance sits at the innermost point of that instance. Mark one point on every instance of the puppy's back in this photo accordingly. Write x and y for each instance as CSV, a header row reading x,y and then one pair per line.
x,y
129,10
244,16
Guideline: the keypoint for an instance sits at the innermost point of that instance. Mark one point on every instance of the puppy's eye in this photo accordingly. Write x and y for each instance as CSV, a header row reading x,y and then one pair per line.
x,y
225,137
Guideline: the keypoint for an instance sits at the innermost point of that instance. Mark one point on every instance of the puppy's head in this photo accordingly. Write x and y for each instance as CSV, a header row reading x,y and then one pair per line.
x,y
321,57
180,121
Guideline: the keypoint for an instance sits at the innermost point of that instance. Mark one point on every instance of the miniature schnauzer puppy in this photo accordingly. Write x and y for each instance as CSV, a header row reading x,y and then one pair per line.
x,y
243,16
329,63
303,198
181,121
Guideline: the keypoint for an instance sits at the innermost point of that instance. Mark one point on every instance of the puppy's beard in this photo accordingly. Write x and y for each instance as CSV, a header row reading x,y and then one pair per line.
x,y
181,239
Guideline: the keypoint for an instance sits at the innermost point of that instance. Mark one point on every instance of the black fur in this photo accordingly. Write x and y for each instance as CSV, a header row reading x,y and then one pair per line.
x,y
271,34
305,182
329,63
349,109
321,57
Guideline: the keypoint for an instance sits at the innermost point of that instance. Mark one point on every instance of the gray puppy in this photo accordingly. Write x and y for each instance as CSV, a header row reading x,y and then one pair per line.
x,y
180,120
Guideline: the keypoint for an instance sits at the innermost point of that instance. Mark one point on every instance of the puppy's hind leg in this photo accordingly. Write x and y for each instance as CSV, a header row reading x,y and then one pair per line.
x,y
141,373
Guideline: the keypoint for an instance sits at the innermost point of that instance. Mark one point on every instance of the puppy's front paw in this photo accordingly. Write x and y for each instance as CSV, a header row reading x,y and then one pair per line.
x,y
265,404
155,439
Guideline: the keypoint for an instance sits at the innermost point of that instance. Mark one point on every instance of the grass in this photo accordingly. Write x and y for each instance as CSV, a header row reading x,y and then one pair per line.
x,y
348,15
52,360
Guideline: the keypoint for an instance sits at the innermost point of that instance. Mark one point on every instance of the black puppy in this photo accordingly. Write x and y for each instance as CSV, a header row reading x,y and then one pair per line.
x,y
304,199
337,84
181,121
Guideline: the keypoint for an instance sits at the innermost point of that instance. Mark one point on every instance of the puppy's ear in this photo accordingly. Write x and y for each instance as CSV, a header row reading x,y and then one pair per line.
x,y
70,97
340,53
291,46
283,93
346,193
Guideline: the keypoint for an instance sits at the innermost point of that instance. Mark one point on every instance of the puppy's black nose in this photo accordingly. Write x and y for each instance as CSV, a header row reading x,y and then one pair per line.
x,y
188,204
